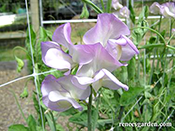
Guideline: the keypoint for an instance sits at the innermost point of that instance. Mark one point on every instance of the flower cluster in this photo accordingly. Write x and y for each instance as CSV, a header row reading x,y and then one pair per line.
x,y
120,10
167,9
105,46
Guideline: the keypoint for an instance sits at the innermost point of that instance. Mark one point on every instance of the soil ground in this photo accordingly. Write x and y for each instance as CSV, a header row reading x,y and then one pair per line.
x,y
9,111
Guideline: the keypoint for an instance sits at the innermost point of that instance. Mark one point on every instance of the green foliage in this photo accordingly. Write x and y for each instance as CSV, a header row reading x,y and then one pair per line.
x,y
85,12
131,69
108,8
31,123
20,64
81,118
96,8
18,127
130,96
144,14
132,13
25,93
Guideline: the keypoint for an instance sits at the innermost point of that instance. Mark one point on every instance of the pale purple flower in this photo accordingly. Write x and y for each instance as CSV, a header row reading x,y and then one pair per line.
x,y
54,56
111,33
97,71
116,5
167,9
101,60
155,8
61,94
105,45
123,12
102,78
62,35
173,30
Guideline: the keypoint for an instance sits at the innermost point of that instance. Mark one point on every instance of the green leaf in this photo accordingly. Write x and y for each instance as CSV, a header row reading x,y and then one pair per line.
x,y
31,123
132,13
74,70
43,34
18,127
124,74
50,121
33,42
147,94
152,39
60,127
39,128
25,93
20,64
69,112
128,97
57,73
37,108
144,14
33,36
85,12
108,9
49,34
131,69
81,118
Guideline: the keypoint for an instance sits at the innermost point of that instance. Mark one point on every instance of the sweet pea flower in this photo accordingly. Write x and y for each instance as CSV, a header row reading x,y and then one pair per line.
x,y
155,8
116,5
61,94
102,78
167,9
97,72
111,33
123,12
54,56
120,10
173,30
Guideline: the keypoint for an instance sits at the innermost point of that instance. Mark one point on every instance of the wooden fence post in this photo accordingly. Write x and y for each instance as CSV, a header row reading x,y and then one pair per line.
x,y
35,14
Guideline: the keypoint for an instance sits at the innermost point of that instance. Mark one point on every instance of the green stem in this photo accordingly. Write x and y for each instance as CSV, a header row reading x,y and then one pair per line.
x,y
19,107
21,48
102,4
106,100
89,112
152,31
121,113
151,46
171,26
171,37
54,124
166,51
155,50
138,72
171,47
144,68
108,10
96,8
169,81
